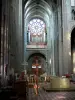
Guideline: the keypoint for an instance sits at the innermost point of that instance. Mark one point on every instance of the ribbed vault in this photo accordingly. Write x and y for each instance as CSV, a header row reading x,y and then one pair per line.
x,y
40,9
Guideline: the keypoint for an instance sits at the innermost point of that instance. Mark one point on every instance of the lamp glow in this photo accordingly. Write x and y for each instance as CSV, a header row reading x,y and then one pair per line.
x,y
74,70
70,53
50,61
68,36
74,57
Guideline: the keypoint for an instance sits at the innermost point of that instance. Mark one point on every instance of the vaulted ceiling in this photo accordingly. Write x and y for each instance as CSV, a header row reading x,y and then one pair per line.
x,y
38,8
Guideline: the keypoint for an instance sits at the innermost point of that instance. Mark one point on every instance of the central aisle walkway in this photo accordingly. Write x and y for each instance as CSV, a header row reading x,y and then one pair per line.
x,y
43,95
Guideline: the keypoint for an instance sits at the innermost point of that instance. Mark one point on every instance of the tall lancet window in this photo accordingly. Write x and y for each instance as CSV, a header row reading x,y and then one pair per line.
x,y
72,2
36,32
73,9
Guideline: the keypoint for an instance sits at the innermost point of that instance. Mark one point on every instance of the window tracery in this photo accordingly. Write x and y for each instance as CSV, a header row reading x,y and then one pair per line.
x,y
36,32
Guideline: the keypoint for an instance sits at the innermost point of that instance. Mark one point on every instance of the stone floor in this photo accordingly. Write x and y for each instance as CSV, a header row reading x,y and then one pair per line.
x,y
8,94
43,95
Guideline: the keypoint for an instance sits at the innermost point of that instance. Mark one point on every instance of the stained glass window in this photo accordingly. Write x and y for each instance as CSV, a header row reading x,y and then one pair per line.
x,y
36,31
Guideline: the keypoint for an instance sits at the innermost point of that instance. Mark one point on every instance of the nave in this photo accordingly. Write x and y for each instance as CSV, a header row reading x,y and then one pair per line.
x,y
10,94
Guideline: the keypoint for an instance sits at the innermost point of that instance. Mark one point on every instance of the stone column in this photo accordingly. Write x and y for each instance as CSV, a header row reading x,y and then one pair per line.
x,y
66,13
4,39
16,34
52,44
60,38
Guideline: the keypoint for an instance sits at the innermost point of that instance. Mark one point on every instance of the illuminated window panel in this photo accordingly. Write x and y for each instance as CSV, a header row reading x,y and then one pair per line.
x,y
36,32
72,2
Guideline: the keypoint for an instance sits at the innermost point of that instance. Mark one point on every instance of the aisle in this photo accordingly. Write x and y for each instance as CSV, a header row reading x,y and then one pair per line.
x,y
43,95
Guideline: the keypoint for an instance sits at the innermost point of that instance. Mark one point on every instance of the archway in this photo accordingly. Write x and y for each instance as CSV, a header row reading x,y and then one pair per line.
x,y
73,49
32,62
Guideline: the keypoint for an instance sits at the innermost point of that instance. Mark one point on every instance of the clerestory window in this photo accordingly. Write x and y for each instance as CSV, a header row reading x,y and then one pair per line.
x,y
73,9
72,2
